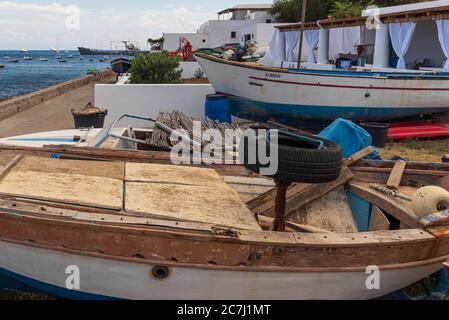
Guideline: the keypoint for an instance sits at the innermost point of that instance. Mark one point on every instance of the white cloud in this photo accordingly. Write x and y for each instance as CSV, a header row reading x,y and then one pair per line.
x,y
36,26
178,19
27,8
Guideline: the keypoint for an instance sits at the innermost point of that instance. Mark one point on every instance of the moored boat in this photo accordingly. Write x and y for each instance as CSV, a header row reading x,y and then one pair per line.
x,y
121,65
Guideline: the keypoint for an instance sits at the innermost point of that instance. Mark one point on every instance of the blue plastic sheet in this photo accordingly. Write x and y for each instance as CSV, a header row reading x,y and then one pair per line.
x,y
349,136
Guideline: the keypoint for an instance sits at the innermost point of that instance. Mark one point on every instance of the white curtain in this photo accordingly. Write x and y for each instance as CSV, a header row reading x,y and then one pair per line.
x,y
276,54
292,40
443,36
312,37
343,40
401,35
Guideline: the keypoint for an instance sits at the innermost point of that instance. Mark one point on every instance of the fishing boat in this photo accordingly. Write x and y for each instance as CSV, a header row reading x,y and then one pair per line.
x,y
43,59
23,50
259,92
2,66
207,245
12,60
27,58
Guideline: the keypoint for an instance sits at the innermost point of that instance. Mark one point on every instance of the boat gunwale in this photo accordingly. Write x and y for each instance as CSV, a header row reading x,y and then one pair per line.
x,y
241,268
244,237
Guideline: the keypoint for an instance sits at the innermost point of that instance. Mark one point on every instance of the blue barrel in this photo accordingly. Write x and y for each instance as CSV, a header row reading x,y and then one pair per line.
x,y
218,107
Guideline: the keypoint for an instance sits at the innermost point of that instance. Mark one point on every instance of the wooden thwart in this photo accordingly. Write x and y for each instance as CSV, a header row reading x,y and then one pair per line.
x,y
398,208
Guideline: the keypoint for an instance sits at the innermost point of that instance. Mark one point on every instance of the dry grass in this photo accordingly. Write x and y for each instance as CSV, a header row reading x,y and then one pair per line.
x,y
431,150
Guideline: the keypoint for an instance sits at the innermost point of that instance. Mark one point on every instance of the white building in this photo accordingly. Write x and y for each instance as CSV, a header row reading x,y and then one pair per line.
x,y
234,25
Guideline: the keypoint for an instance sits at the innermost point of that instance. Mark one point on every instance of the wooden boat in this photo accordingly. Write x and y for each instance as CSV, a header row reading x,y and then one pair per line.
x,y
137,227
263,93
120,65
2,66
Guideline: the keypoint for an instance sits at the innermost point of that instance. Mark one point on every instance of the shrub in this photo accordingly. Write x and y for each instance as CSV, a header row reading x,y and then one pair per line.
x,y
155,68
199,73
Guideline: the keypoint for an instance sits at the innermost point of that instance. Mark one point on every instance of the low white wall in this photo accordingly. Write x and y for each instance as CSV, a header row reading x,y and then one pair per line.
x,y
189,69
149,99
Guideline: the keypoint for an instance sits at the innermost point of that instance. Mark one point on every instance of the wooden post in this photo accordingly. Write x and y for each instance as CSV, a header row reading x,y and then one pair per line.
x,y
280,203
303,21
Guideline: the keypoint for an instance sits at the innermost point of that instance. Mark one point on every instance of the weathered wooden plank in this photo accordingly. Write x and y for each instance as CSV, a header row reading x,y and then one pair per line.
x,y
87,183
358,156
378,220
5,170
113,170
398,208
72,189
394,181
161,173
221,206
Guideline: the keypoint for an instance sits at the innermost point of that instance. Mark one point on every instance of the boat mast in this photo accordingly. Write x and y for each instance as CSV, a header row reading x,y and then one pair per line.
x,y
303,21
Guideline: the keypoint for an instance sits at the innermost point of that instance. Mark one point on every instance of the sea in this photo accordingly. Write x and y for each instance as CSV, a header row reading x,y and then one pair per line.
x,y
31,75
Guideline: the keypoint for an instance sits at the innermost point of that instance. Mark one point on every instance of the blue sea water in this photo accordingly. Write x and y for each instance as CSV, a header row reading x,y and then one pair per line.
x,y
28,76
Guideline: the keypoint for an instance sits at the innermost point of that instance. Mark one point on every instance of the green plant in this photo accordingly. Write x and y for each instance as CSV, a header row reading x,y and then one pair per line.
x,y
155,68
345,9
290,10
199,73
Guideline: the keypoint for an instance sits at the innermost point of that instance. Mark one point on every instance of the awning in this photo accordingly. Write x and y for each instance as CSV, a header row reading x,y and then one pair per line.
x,y
396,17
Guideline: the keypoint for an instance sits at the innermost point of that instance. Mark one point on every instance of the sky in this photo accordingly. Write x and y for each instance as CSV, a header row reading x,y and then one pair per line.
x,y
65,25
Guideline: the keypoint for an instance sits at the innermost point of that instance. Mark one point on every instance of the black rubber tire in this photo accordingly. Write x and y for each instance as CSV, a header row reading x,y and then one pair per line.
x,y
303,164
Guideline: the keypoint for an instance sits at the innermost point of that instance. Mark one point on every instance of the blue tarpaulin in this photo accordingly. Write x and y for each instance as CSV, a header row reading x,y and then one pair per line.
x,y
349,136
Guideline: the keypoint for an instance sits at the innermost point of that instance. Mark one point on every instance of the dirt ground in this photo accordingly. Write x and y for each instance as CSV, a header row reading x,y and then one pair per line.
x,y
431,150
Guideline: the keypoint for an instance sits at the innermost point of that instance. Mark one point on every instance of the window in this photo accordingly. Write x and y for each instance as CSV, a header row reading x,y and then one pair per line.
x,y
268,20
233,35
204,40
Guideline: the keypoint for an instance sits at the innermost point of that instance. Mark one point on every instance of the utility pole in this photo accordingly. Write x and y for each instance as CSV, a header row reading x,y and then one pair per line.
x,y
303,21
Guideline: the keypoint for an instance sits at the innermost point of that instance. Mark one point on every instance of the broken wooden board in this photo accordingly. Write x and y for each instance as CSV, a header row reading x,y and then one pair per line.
x,y
395,178
161,173
358,156
378,220
249,188
86,183
298,195
216,205
398,208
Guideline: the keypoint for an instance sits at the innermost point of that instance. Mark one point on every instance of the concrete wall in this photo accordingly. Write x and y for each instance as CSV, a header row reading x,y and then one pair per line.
x,y
189,69
149,99
198,40
15,105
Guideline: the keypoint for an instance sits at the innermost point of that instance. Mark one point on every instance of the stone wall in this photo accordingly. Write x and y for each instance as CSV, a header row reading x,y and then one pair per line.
x,y
15,105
